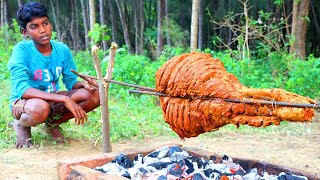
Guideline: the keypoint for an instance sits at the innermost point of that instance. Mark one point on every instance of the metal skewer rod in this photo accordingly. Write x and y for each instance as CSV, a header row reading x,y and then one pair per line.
x,y
152,91
245,101
88,77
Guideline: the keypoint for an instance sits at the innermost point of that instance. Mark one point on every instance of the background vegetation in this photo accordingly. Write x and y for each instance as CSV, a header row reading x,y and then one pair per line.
x,y
268,65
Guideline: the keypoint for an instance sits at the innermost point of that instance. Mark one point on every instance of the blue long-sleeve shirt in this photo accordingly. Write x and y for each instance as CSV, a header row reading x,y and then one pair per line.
x,y
29,68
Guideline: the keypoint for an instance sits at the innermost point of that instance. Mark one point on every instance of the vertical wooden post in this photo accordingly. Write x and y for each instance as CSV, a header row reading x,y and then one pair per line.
x,y
103,93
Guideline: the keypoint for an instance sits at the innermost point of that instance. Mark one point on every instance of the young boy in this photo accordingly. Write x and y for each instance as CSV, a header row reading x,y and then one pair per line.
x,y
35,67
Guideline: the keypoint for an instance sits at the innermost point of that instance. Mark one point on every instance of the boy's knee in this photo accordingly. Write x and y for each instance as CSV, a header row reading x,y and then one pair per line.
x,y
38,110
92,97
95,97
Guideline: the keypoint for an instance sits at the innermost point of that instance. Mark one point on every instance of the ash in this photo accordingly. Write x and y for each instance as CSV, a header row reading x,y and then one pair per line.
x,y
173,163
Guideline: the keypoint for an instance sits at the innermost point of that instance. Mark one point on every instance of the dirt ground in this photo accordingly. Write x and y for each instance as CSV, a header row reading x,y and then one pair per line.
x,y
294,151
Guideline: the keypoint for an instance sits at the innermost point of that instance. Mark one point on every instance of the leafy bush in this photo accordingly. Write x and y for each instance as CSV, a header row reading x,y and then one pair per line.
x,y
303,77
276,71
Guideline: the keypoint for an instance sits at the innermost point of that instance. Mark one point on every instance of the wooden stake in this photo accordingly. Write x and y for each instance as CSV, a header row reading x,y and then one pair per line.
x,y
103,93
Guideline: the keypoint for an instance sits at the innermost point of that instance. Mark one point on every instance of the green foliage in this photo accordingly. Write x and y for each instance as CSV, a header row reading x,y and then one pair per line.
x,y
303,77
276,71
178,36
278,2
98,33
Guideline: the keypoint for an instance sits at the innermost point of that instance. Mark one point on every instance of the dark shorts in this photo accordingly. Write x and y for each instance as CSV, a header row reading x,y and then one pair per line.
x,y
57,108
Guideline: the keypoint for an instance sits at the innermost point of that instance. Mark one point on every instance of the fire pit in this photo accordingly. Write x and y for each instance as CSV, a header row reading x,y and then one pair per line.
x,y
82,168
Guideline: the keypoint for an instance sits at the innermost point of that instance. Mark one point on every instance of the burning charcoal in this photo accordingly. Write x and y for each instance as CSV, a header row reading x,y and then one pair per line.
x,y
154,154
236,169
159,165
197,176
174,149
190,168
138,160
166,159
163,152
266,176
173,163
162,177
150,160
124,161
100,169
126,174
285,176
176,170
240,172
226,159
143,170
138,172
110,168
220,168
251,175
213,158
224,177
210,173
178,156
237,177
203,163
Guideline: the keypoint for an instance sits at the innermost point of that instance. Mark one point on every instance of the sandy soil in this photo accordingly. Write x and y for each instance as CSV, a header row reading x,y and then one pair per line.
x,y
294,151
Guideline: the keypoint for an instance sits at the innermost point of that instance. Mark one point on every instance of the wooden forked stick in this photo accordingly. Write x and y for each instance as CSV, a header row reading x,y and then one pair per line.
x,y
103,93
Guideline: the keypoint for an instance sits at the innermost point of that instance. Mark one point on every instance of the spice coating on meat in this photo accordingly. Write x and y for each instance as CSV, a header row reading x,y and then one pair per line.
x,y
201,75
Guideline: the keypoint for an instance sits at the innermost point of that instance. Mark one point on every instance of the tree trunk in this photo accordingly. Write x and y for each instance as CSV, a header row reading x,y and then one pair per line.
x,y
77,28
245,49
1,13
139,24
20,3
85,24
160,38
317,42
200,28
92,14
125,28
194,25
141,19
167,24
5,12
299,27
102,22
72,23
113,23
56,21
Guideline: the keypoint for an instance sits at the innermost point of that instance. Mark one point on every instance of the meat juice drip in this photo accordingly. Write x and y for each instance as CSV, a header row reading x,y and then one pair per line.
x,y
199,74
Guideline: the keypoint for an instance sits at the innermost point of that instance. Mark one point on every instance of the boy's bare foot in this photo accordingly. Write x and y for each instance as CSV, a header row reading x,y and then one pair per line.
x,y
23,135
55,132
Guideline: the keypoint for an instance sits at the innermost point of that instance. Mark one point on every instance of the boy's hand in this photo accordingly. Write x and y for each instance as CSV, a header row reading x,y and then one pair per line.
x,y
89,87
80,116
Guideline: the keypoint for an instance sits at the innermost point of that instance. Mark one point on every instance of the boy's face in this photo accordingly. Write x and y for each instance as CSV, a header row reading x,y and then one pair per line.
x,y
39,29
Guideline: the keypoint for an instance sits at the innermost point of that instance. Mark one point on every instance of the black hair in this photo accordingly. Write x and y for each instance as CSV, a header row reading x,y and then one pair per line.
x,y
29,11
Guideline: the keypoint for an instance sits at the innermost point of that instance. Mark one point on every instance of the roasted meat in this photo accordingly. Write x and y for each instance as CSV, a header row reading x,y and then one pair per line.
x,y
190,79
